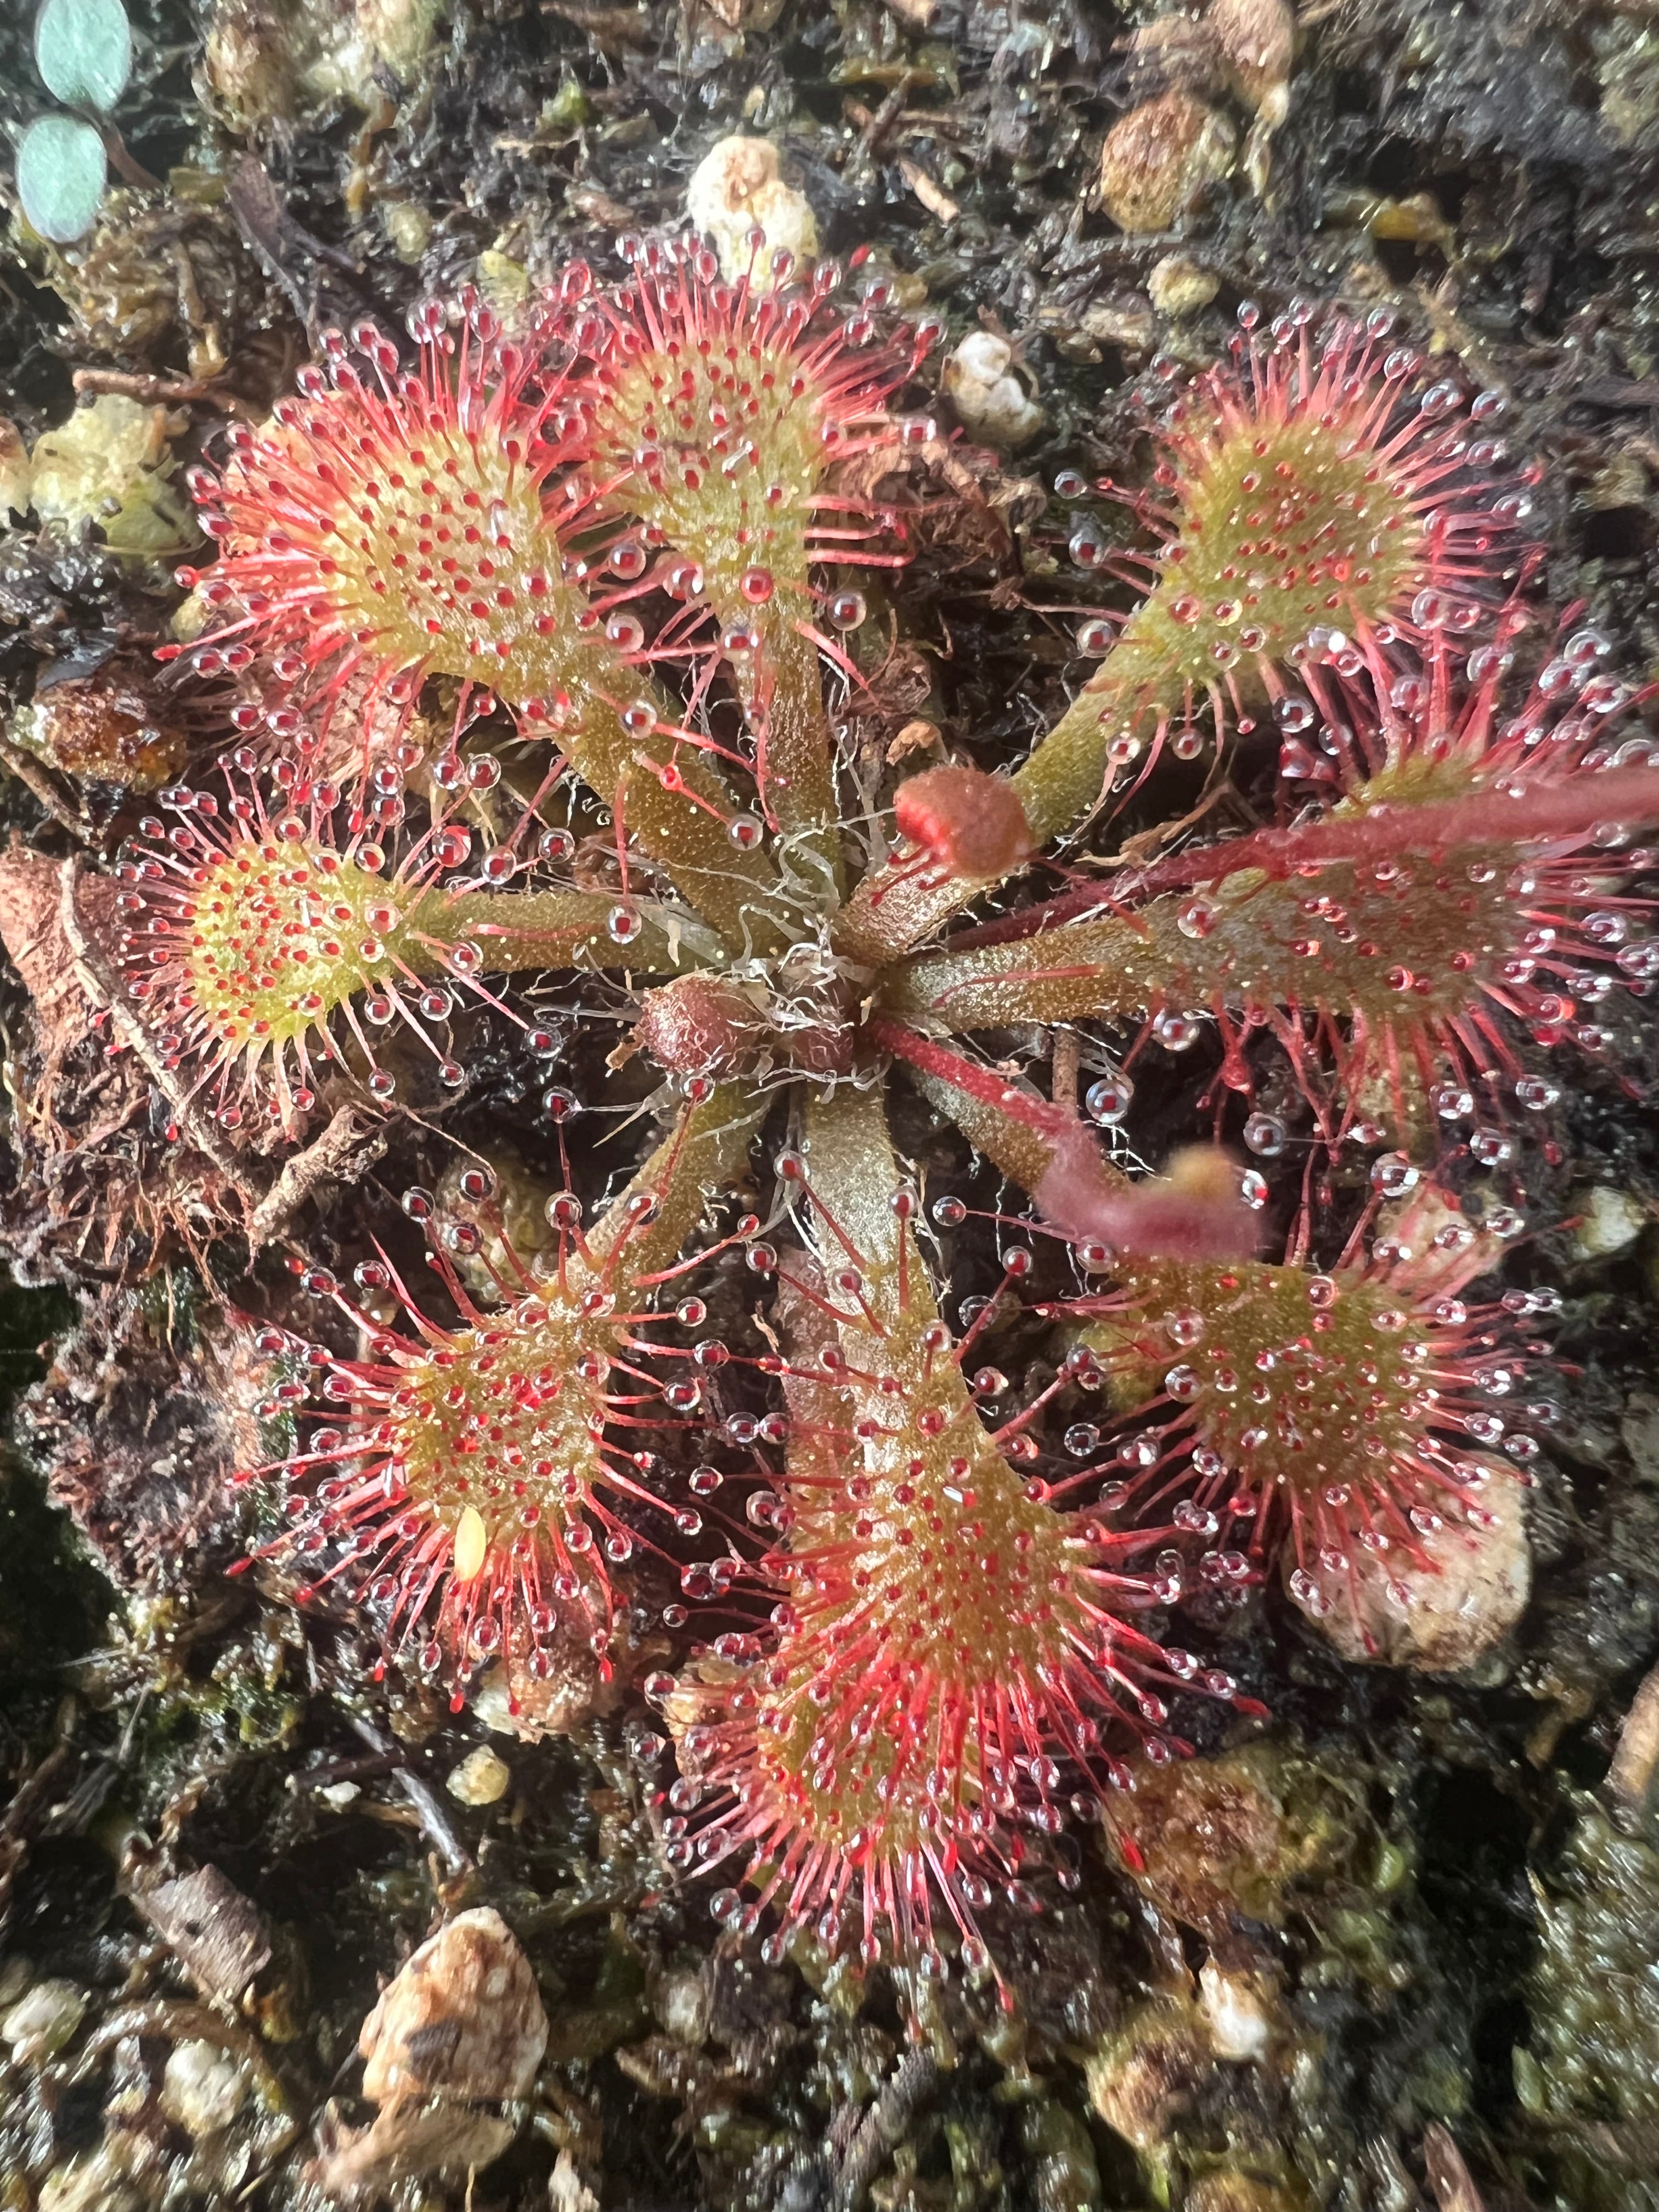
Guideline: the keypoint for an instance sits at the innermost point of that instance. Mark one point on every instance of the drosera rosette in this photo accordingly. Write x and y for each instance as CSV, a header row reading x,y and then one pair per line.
x,y
1351,1429
1474,884
478,1485
272,934
1319,494
951,1672
481,517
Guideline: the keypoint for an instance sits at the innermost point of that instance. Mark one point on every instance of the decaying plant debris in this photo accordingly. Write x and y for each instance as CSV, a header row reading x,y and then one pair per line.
x,y
1395,1948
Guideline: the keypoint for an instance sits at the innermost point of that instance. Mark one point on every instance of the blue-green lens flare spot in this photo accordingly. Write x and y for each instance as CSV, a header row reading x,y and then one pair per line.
x,y
61,175
83,50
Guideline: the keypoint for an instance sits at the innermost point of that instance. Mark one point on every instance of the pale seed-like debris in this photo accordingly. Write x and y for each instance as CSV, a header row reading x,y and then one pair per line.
x,y
1179,287
1612,1221
203,2088
735,188
1159,158
463,2020
992,404
480,1778
1471,1595
42,2022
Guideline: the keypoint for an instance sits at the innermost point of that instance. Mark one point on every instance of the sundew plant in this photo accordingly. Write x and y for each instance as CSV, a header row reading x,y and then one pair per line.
x,y
940,1624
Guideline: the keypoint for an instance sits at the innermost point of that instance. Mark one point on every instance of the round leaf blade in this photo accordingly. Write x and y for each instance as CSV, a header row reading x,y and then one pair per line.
x,y
83,50
61,171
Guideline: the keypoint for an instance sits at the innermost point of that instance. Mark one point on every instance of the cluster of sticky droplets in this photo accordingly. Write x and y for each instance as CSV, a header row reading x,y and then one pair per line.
x,y
249,923
934,1699
1314,1419
478,1485
1316,500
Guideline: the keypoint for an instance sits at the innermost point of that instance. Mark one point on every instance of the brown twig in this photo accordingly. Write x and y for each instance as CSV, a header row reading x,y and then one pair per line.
x,y
435,1821
341,1153
937,201
125,165
162,390
608,26
876,127
343,1770
1448,2177
35,773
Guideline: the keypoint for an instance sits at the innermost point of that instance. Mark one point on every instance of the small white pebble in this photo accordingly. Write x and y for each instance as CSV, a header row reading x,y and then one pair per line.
x,y
338,1794
681,2004
1179,287
1239,2025
39,2024
1613,1221
735,188
1444,1613
203,2088
461,2020
480,1779
992,403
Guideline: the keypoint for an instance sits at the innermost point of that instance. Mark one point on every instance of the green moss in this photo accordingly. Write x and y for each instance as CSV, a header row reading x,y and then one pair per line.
x,y
1248,1834
1593,2052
